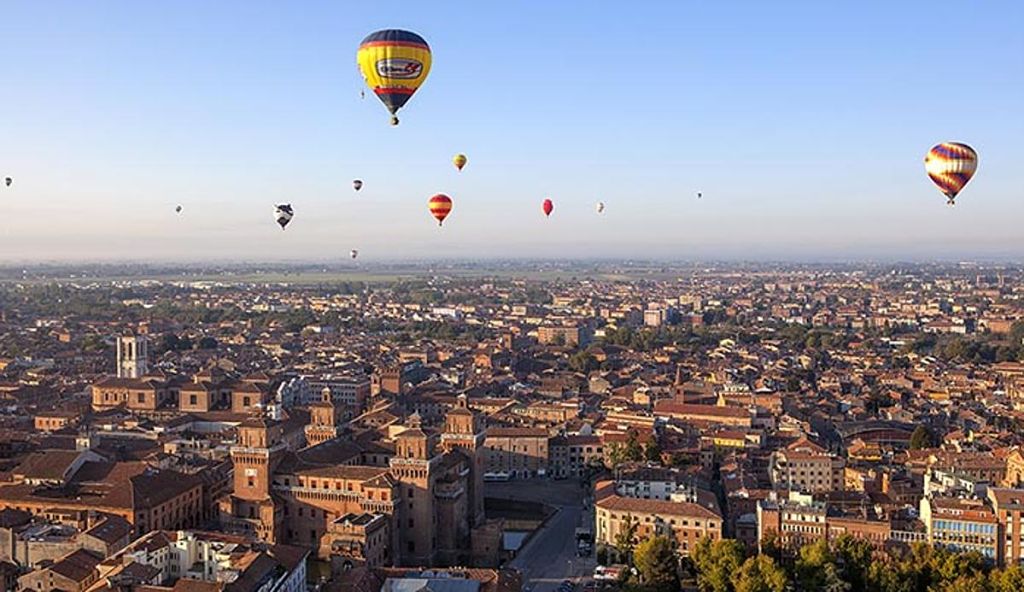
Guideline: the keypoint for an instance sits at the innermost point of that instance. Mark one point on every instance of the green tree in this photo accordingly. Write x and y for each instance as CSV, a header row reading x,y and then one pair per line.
x,y
658,564
625,540
921,438
652,451
760,574
831,581
207,343
771,545
854,556
616,454
1010,579
583,362
970,583
811,566
633,451
716,563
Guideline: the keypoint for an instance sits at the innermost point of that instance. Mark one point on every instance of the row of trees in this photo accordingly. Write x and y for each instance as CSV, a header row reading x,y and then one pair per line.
x,y
846,565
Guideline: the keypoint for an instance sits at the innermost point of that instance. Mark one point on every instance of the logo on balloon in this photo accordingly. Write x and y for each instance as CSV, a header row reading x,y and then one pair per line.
x,y
400,68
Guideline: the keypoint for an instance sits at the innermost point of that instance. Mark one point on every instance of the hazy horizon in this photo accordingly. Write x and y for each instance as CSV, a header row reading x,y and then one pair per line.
x,y
803,124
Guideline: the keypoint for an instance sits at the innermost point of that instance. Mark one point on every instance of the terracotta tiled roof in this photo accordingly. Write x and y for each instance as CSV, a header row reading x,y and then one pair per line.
x,y
662,508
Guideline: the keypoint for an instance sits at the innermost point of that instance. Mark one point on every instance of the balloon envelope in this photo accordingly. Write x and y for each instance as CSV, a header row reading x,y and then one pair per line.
x,y
548,206
950,165
394,63
8,181
357,184
354,253
178,209
283,214
440,206
459,160
600,207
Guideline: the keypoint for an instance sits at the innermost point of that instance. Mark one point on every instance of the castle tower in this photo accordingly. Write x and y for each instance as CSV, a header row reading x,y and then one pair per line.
x,y
324,417
132,354
414,466
250,509
464,429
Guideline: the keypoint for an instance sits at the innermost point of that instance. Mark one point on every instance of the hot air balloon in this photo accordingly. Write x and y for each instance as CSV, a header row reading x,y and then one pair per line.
x,y
177,209
459,160
283,214
600,207
395,64
357,184
699,195
353,253
440,206
548,206
950,166
8,181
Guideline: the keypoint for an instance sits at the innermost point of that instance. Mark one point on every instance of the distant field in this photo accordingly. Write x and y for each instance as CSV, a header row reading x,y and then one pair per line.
x,y
369,276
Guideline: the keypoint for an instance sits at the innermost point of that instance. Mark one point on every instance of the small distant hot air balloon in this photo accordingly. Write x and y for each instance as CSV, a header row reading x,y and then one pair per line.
x,y
950,165
8,181
353,253
178,209
440,206
459,160
548,206
699,195
394,64
600,207
283,214
357,184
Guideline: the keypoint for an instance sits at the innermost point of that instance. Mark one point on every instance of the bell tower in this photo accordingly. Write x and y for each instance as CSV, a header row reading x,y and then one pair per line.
x,y
132,356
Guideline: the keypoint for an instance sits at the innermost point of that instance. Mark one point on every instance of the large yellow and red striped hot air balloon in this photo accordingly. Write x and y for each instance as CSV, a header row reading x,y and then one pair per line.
x,y
394,64
950,166
440,205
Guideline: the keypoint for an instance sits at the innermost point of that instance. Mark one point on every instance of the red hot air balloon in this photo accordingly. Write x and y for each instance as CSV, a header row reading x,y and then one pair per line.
x,y
548,207
440,206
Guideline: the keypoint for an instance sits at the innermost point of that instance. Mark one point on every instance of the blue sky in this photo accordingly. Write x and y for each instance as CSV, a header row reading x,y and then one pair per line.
x,y
803,123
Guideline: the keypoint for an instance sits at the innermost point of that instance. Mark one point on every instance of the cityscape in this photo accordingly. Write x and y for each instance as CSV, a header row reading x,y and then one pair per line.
x,y
660,296
631,425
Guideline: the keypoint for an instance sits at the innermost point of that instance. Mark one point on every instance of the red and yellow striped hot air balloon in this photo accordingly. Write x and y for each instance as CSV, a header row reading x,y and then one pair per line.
x,y
459,160
440,205
395,64
950,165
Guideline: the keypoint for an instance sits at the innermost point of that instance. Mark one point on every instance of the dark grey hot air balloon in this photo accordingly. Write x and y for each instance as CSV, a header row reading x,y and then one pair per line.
x,y
353,253
357,184
177,209
283,214
8,181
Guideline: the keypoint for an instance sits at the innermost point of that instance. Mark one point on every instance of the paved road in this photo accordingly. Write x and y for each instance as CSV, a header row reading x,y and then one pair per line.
x,y
550,555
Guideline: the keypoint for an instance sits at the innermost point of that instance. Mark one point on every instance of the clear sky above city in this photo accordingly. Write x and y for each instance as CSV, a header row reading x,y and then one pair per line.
x,y
804,124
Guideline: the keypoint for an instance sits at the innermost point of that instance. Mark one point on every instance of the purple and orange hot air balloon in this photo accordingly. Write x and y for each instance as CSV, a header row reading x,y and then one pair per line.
x,y
440,206
950,165
548,206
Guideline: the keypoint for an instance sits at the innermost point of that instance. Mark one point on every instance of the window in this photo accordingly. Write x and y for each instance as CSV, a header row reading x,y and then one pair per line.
x,y
193,400
251,481
142,397
246,401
